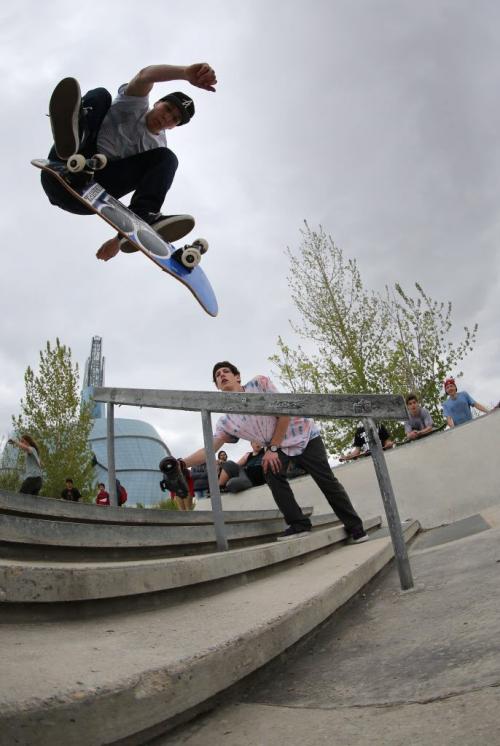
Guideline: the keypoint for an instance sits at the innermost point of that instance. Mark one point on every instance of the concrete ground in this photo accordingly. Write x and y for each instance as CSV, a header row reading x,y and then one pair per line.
x,y
419,668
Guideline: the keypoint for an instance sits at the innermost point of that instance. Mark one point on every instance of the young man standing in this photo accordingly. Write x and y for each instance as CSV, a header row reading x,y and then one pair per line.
x,y
285,438
457,408
420,422
131,134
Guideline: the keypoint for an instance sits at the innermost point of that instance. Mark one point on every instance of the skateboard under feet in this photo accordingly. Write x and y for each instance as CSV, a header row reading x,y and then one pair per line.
x,y
77,176
189,255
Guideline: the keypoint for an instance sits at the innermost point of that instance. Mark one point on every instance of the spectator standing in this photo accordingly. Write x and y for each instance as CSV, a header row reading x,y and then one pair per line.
x,y
419,422
102,496
32,483
185,503
121,493
285,438
70,492
457,407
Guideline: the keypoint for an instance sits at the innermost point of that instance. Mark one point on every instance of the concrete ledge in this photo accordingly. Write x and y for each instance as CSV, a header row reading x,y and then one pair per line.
x,y
468,483
54,582
53,508
132,673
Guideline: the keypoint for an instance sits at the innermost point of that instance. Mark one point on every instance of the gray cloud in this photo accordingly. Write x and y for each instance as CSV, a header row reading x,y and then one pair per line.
x,y
377,120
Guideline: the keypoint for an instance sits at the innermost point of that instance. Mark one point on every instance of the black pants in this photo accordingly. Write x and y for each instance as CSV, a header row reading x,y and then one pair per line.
x,y
314,460
149,175
31,486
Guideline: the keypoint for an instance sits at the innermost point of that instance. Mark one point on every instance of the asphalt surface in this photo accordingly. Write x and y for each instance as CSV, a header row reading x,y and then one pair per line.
x,y
418,668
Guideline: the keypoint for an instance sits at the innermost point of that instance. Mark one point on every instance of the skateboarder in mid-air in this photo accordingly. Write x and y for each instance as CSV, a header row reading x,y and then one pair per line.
x,y
131,134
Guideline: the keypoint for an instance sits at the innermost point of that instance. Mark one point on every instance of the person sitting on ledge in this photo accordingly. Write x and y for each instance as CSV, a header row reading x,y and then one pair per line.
x,y
360,444
246,473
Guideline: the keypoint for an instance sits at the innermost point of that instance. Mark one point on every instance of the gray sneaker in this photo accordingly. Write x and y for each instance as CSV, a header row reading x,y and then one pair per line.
x,y
64,111
169,227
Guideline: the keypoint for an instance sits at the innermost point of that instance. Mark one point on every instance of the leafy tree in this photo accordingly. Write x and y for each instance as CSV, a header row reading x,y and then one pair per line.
x,y
11,467
10,478
426,353
51,412
365,341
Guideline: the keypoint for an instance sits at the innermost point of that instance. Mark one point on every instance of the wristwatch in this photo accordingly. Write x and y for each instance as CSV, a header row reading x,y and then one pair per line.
x,y
273,449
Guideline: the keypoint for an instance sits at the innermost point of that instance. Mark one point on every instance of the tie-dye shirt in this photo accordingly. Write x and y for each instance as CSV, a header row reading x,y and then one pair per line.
x,y
260,428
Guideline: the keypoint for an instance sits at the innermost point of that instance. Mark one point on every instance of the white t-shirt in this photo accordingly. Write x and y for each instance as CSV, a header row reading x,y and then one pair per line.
x,y
123,131
260,428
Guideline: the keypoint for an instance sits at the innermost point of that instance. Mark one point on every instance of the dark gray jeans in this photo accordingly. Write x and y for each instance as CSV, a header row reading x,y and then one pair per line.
x,y
238,480
314,460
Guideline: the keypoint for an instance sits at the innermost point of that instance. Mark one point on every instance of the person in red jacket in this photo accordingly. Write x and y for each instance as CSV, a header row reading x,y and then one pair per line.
x,y
102,496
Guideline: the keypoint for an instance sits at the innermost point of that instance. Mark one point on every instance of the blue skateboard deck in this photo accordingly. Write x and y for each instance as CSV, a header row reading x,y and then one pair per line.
x,y
138,232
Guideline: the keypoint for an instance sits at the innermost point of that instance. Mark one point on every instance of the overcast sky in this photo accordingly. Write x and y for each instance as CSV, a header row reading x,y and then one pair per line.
x,y
378,119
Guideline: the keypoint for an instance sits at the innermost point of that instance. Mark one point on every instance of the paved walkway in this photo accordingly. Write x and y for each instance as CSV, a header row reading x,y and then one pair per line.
x,y
419,668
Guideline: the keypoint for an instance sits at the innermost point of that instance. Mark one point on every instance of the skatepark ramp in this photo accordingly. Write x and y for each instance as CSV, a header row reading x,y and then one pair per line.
x,y
440,479
117,623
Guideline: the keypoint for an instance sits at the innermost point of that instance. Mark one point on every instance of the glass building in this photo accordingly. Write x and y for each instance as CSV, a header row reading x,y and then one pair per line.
x,y
138,451
138,447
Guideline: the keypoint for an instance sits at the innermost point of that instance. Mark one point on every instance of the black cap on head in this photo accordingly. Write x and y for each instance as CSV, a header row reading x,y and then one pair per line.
x,y
184,103
225,364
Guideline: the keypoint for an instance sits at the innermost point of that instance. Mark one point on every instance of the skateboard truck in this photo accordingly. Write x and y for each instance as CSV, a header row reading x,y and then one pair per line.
x,y
77,163
190,255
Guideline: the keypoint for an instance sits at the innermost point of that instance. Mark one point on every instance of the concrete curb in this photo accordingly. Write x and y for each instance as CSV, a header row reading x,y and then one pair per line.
x,y
242,630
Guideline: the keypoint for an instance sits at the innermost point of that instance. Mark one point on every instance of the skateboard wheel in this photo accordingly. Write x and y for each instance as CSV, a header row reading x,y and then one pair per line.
x,y
201,244
99,161
190,257
76,163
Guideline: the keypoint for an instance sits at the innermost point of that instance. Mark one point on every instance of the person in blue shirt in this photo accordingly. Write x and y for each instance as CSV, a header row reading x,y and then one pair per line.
x,y
457,407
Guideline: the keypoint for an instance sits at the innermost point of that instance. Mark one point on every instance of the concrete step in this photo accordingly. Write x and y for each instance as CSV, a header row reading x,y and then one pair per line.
x,y
98,681
40,582
26,537
14,503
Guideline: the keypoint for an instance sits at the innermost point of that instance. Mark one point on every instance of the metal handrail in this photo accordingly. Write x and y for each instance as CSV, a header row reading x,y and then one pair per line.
x,y
365,407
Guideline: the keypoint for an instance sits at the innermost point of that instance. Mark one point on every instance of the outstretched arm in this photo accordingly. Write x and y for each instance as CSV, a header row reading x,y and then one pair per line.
x,y
481,407
19,444
200,456
200,75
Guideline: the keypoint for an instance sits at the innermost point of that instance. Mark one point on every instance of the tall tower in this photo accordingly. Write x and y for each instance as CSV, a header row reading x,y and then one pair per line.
x,y
94,375
138,447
